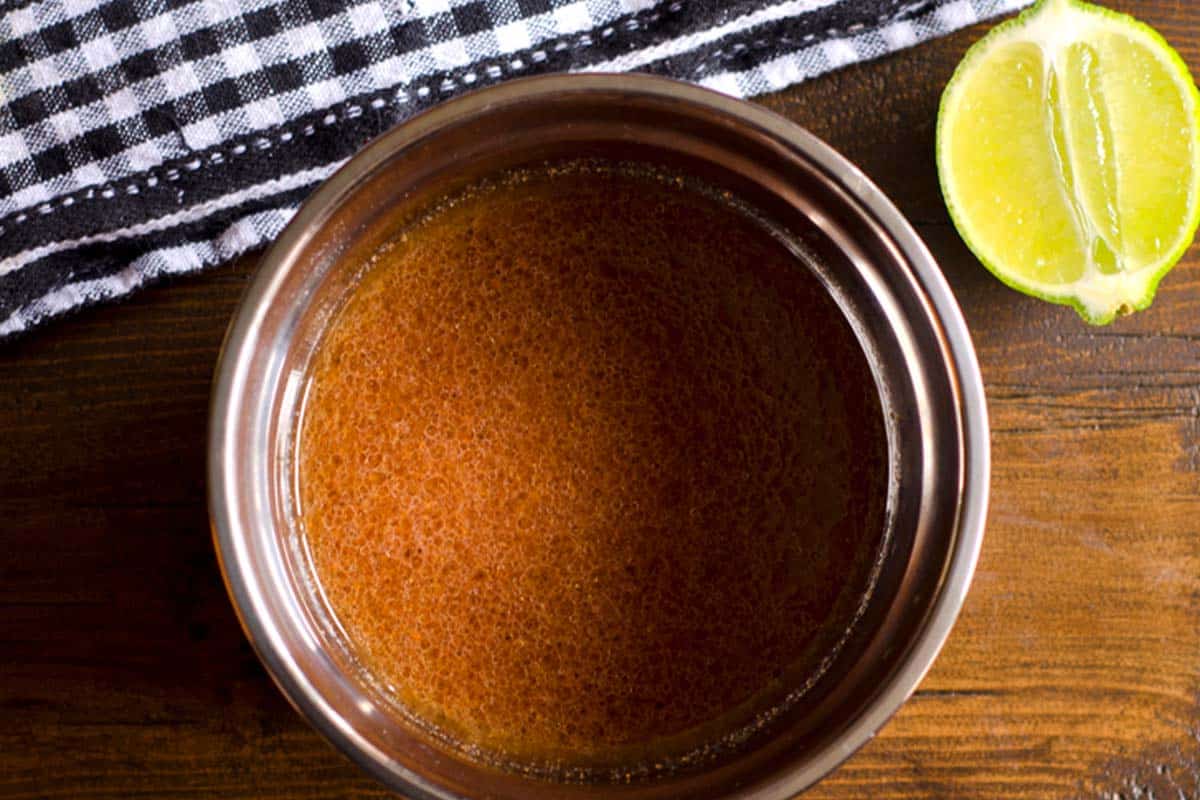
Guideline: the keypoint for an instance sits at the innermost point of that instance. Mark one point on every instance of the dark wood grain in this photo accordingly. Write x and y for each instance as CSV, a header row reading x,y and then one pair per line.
x,y
1074,671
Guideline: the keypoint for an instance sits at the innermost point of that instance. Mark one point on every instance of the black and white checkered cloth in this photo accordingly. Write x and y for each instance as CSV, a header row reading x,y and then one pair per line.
x,y
147,138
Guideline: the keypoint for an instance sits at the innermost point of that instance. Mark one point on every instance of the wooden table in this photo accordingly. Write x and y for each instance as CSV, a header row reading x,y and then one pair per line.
x,y
1074,670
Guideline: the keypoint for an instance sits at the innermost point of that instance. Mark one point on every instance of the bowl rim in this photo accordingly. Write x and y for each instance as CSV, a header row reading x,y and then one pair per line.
x,y
246,590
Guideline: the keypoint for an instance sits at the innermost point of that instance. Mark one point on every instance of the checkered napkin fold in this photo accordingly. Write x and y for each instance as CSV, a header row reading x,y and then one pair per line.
x,y
146,138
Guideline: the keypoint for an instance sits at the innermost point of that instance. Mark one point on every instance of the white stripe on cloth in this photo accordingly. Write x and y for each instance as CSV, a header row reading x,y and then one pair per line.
x,y
807,62
244,234
674,47
193,213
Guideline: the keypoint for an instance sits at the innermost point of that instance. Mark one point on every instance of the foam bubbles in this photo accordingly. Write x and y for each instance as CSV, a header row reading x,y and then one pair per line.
x,y
589,460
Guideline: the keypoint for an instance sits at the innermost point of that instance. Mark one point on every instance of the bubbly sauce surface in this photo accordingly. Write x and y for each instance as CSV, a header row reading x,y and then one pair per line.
x,y
590,465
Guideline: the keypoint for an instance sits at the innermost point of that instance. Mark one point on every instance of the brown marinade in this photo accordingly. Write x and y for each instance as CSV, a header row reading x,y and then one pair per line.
x,y
591,465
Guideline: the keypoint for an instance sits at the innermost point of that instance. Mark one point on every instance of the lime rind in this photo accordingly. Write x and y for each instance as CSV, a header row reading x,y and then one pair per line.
x,y
1138,288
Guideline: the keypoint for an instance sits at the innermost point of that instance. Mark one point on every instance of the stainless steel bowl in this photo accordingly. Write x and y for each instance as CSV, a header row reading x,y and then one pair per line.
x,y
870,259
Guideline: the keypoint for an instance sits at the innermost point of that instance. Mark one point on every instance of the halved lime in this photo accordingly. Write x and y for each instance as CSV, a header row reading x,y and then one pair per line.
x,y
1068,148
